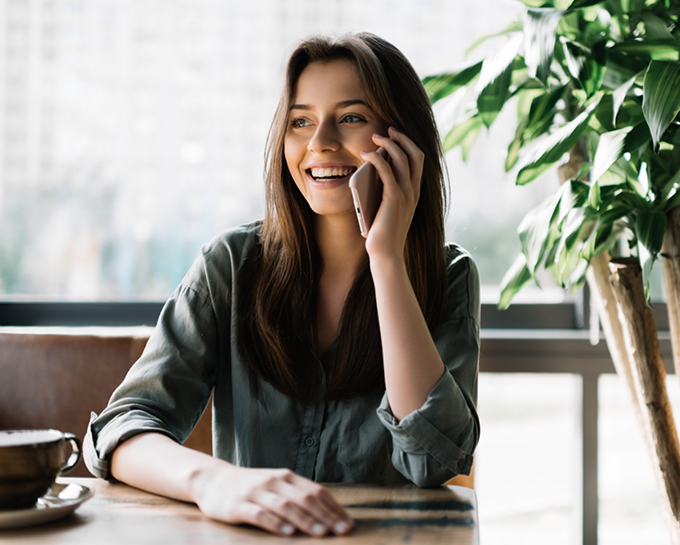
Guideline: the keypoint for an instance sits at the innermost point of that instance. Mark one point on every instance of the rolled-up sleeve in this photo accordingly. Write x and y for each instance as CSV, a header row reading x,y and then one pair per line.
x,y
168,388
435,443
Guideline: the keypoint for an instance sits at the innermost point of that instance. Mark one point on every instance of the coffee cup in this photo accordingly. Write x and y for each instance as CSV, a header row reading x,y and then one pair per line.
x,y
30,460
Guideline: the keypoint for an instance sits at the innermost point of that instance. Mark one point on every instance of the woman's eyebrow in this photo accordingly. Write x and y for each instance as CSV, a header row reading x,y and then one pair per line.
x,y
342,104
351,102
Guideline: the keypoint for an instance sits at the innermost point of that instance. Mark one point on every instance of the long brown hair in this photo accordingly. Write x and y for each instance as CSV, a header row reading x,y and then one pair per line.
x,y
277,302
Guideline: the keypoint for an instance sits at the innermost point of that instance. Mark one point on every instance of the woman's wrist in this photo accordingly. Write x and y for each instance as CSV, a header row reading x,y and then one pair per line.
x,y
203,474
387,262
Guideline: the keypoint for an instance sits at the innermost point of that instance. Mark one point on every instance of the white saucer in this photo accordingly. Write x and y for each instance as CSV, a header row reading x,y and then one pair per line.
x,y
59,501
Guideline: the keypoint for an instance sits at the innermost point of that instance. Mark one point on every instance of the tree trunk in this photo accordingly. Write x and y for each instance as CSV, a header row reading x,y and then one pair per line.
x,y
671,269
572,168
649,376
605,299
602,292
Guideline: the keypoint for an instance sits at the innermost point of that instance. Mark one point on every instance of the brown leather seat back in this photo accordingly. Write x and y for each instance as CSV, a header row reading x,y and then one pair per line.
x,y
54,378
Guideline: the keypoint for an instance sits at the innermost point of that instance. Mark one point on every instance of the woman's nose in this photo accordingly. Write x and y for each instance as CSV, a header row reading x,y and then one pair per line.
x,y
325,138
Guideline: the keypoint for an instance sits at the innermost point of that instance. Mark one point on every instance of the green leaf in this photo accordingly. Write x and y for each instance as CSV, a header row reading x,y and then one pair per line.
x,y
572,194
643,178
515,145
540,27
515,26
633,200
547,152
582,66
601,120
639,189
634,5
615,213
491,99
469,140
537,232
494,80
622,66
607,238
514,280
542,112
619,95
650,226
443,85
568,256
609,149
602,237
588,249
536,3
572,226
595,196
609,179
655,27
624,169
672,203
576,4
637,140
658,50
670,189
457,135
660,97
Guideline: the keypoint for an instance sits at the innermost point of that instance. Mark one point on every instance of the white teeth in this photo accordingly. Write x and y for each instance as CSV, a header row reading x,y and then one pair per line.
x,y
329,172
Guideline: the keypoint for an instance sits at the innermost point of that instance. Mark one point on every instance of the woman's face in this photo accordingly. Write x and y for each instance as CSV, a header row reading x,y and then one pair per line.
x,y
329,125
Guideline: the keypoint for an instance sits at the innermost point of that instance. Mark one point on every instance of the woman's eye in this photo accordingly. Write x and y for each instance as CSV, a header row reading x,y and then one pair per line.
x,y
298,123
351,118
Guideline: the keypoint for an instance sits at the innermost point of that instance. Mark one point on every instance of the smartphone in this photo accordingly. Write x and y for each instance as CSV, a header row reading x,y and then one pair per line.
x,y
366,188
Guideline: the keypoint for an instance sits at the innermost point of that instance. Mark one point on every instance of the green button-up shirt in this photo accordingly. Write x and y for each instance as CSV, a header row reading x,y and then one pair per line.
x,y
193,352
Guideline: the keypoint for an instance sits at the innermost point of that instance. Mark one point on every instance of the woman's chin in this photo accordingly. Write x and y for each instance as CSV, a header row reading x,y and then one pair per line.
x,y
335,213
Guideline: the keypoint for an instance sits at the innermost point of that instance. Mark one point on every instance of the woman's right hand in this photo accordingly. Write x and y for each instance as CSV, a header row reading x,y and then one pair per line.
x,y
276,500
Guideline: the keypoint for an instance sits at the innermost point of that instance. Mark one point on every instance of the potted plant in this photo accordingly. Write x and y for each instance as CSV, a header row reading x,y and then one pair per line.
x,y
597,90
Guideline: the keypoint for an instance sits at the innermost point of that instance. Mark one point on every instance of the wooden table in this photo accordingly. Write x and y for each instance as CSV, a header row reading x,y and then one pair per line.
x,y
121,515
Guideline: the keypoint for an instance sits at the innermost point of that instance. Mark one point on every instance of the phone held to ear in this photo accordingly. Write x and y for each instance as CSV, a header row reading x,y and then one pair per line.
x,y
366,188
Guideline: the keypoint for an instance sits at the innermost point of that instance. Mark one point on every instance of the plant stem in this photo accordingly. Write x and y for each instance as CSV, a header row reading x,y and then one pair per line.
x,y
671,268
649,377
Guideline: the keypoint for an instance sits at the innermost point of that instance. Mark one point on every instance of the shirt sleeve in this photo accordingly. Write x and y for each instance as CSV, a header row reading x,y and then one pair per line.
x,y
168,388
435,443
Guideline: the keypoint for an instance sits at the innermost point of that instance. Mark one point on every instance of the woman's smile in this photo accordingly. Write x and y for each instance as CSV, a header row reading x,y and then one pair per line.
x,y
329,176
329,126
330,173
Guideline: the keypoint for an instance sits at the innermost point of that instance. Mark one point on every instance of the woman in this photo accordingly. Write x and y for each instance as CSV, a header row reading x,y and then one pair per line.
x,y
332,358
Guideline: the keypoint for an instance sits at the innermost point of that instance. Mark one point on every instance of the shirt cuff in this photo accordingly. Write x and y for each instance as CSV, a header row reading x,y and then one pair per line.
x,y
418,434
97,448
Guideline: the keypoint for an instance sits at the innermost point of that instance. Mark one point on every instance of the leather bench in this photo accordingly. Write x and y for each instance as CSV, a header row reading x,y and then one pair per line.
x,y
54,377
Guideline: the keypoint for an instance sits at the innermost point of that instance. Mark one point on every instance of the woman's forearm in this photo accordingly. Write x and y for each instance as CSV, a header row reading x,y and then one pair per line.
x,y
276,500
411,361
156,463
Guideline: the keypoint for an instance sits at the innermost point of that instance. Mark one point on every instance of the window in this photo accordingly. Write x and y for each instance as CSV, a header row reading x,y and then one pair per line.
x,y
132,133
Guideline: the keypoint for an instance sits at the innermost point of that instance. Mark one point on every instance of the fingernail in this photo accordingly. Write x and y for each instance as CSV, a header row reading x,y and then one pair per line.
x,y
318,529
363,153
340,527
287,529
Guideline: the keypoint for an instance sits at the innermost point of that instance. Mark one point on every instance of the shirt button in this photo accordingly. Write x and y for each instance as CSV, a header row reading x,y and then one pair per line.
x,y
461,463
310,441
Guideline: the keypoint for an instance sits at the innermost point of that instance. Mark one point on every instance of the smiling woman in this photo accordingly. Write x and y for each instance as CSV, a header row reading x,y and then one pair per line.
x,y
331,357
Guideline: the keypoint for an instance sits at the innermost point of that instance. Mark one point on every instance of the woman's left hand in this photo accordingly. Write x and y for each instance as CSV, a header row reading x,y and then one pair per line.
x,y
401,191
